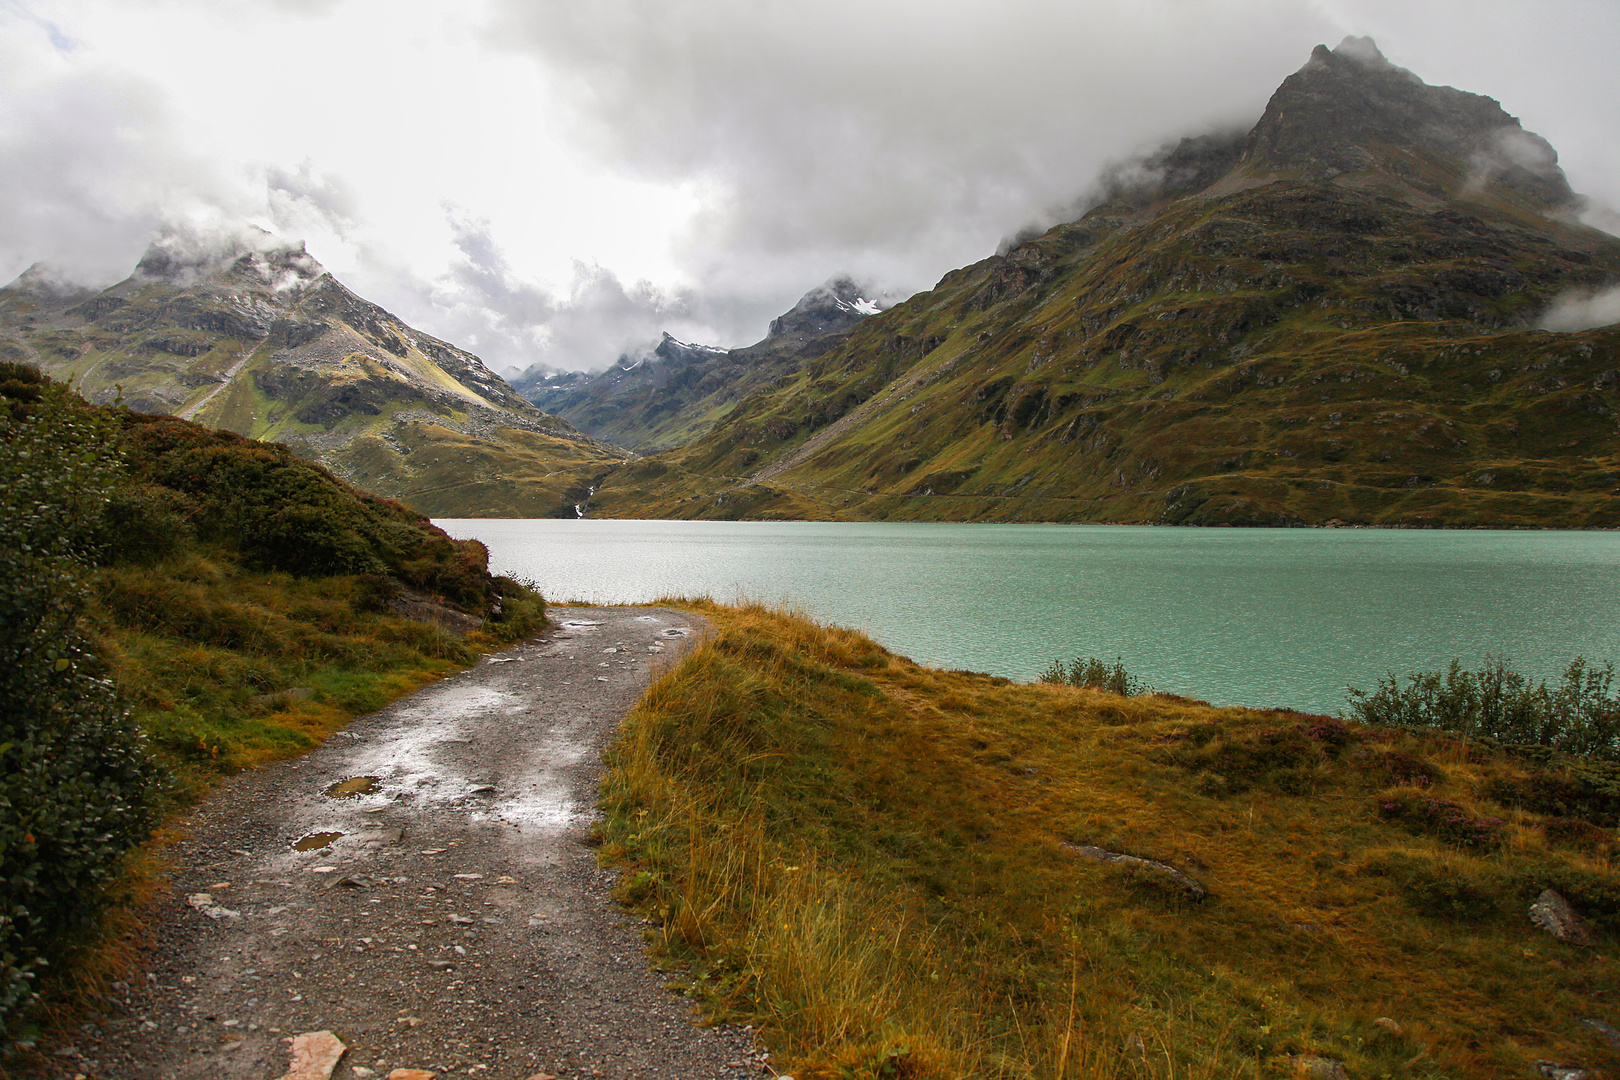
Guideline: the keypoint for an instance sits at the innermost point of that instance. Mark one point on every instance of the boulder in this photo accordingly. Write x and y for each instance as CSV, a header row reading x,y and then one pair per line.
x,y
1553,914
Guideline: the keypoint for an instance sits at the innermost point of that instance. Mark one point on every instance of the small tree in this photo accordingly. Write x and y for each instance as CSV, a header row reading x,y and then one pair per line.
x,y
76,787
1092,672
1581,715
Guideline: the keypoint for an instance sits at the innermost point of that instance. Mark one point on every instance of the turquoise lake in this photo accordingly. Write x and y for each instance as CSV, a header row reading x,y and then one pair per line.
x,y
1263,617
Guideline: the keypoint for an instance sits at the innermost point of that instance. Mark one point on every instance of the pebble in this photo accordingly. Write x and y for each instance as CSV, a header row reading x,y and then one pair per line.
x,y
1320,1068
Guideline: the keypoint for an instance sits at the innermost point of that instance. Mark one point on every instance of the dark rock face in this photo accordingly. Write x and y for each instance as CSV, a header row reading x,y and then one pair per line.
x,y
1349,110
295,333
826,309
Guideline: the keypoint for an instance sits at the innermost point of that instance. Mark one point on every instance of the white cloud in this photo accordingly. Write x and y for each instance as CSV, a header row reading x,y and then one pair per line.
x,y
1582,310
623,166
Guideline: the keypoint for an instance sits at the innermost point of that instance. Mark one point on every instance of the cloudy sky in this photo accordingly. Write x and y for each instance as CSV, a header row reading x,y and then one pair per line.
x,y
559,180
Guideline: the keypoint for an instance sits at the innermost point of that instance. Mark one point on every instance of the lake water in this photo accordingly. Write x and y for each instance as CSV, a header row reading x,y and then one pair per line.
x,y
1264,617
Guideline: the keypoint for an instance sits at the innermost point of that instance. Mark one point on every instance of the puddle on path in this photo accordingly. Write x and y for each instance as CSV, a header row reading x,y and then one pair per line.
x,y
352,788
449,701
316,840
674,631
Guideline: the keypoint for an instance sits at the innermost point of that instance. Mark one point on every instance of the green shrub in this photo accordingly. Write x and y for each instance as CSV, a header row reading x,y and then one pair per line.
x,y
143,523
1583,788
76,787
1093,673
1579,716
284,513
1285,760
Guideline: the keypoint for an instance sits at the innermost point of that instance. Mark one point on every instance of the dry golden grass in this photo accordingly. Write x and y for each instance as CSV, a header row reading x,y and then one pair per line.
x,y
871,861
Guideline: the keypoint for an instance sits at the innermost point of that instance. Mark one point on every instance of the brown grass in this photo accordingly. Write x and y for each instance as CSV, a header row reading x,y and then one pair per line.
x,y
866,859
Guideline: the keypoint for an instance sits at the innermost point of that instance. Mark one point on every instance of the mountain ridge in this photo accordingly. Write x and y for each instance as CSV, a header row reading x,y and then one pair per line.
x,y
1246,332
676,391
251,334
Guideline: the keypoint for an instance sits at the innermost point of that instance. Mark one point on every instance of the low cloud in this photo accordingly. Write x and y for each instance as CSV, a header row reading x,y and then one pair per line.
x,y
1582,310
619,168
484,305
897,141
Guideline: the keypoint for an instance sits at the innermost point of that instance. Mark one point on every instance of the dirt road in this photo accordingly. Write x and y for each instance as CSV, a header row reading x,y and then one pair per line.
x,y
420,887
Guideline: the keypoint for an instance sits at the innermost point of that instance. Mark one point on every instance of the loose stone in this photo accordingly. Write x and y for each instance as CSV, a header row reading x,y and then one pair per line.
x,y
314,1055
1553,914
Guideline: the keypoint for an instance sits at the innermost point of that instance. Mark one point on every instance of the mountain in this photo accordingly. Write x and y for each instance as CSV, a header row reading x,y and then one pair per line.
x,y
255,336
1332,317
674,392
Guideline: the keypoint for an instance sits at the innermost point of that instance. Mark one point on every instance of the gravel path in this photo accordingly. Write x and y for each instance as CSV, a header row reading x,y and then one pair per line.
x,y
456,922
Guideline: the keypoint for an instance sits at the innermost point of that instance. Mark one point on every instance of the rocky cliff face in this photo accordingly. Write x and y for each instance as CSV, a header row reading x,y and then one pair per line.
x,y
1334,315
827,309
255,336
1349,112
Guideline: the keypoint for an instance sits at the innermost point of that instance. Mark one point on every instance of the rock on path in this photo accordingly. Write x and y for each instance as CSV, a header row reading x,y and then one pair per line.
x,y
456,921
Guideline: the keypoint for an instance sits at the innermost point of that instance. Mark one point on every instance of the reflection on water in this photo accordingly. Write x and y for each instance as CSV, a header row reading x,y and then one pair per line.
x,y
1234,616
349,789
317,841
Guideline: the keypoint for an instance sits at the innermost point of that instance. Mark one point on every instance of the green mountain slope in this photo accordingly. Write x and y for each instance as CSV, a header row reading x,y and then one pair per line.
x,y
1329,317
258,338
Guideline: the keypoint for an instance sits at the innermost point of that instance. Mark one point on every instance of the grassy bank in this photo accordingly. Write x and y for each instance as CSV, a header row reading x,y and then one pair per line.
x,y
226,666
883,866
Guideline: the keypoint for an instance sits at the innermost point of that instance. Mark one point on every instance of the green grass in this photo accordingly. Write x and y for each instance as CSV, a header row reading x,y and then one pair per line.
x,y
229,667
871,862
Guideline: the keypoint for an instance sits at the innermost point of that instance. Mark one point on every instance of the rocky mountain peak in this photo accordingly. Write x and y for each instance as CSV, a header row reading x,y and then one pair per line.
x,y
46,283
836,304
248,256
1350,111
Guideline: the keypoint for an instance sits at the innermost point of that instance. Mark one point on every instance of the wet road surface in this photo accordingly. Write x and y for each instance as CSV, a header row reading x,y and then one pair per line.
x,y
445,912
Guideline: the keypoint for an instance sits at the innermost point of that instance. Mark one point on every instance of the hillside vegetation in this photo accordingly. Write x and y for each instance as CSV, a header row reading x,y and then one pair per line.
x,y
256,337
896,871
1330,318
181,602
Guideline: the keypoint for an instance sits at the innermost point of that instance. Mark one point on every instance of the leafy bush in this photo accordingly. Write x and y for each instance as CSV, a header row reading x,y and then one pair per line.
x,y
1093,673
284,513
143,523
1285,759
1580,716
76,787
